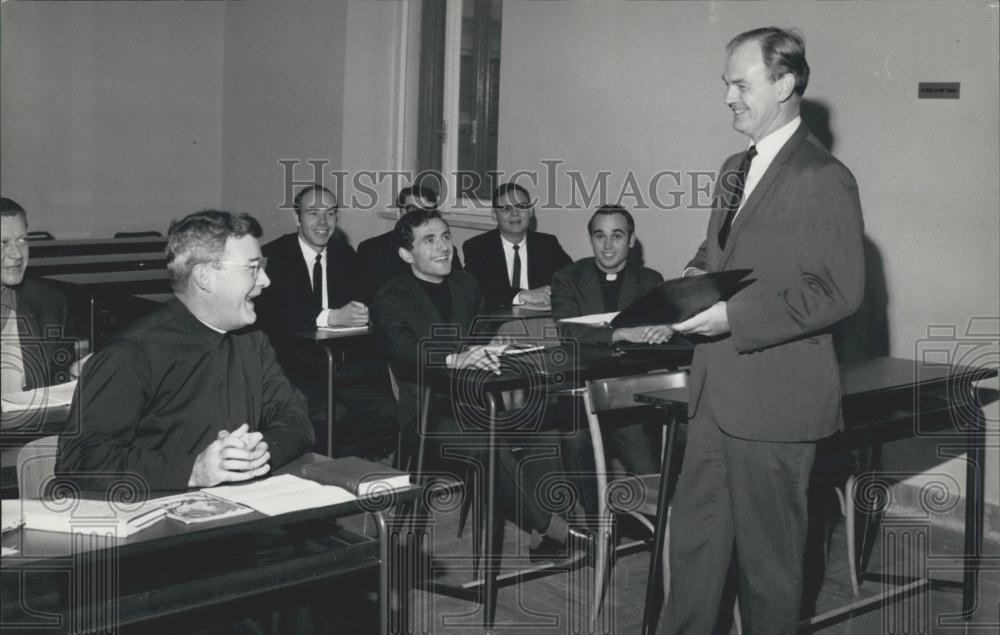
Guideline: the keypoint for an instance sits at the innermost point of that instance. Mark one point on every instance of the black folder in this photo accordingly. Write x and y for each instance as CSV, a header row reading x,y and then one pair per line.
x,y
676,300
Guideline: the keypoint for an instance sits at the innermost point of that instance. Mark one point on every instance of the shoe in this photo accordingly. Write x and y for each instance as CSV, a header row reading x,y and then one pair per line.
x,y
577,541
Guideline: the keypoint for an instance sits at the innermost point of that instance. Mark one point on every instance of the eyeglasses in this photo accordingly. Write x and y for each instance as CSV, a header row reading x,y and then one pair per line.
x,y
253,266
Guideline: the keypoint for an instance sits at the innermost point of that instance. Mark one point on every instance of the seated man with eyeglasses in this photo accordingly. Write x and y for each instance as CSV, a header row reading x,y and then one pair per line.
x,y
189,396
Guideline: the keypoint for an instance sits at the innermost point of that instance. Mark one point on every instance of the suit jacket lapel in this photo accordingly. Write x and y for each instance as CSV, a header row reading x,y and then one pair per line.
x,y
499,261
760,191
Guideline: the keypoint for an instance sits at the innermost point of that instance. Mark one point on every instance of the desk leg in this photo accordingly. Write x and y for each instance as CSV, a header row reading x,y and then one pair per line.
x,y
490,563
654,580
383,573
974,485
330,414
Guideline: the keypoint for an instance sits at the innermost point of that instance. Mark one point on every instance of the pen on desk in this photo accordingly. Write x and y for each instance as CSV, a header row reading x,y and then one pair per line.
x,y
147,518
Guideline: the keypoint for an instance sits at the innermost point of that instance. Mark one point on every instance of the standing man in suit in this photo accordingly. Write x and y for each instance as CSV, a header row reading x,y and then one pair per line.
x,y
513,263
378,255
34,321
765,383
607,282
315,282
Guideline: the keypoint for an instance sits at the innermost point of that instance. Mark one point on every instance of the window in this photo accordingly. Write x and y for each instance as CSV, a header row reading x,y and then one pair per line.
x,y
459,94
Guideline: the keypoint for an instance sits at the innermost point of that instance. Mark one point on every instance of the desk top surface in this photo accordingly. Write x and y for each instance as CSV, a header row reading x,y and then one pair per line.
x,y
168,533
110,277
866,377
85,259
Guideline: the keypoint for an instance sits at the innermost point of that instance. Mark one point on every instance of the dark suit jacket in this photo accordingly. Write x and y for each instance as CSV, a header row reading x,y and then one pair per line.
x,y
776,376
405,321
485,260
576,291
287,305
379,261
44,330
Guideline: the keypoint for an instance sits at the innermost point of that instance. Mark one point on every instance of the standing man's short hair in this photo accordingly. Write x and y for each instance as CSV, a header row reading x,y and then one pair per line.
x,y
784,51
201,238
318,190
611,210
410,221
8,207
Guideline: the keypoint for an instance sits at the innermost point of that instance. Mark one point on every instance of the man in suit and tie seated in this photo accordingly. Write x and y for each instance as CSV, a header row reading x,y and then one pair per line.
x,y
434,307
35,345
765,383
315,283
610,281
188,396
378,255
514,263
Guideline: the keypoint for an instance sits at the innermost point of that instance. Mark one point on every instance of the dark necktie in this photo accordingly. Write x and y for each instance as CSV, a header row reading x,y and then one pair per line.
x,y
737,195
515,276
318,281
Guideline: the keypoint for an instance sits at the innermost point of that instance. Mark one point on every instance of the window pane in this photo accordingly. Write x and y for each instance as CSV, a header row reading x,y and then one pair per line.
x,y
479,83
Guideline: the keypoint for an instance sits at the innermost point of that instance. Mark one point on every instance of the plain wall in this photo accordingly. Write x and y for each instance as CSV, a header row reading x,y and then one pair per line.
x,y
283,99
110,113
621,87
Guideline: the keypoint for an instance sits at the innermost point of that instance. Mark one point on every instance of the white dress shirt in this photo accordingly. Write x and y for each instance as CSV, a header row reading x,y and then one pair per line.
x,y
309,255
767,149
508,254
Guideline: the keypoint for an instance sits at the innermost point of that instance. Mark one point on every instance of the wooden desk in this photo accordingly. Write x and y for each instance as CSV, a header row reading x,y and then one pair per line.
x,y
556,369
884,399
92,246
331,343
54,265
117,286
107,582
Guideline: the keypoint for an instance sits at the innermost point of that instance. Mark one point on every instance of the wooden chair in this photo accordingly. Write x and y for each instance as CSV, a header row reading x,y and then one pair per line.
x,y
603,396
40,235
36,464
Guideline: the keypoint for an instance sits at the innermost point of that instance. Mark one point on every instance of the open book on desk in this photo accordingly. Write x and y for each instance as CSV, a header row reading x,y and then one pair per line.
x,y
59,395
276,495
101,516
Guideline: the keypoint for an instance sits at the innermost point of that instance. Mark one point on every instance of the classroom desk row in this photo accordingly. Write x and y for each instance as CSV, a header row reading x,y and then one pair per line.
x,y
81,583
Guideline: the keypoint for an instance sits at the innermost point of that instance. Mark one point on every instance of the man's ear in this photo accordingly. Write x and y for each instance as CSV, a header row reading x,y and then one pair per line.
x,y
406,256
786,87
631,241
202,276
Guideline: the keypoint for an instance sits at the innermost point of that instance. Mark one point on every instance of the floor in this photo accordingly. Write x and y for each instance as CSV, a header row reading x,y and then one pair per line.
x,y
559,603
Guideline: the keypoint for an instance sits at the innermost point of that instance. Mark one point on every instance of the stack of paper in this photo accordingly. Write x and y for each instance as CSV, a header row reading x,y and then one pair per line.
x,y
38,398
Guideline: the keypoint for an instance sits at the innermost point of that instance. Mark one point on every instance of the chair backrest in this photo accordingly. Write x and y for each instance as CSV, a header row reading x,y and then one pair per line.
x,y
619,393
40,235
36,465
145,234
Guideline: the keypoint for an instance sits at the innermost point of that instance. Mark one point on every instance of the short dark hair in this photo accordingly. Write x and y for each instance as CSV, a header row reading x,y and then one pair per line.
x,y
504,188
201,237
8,207
409,222
417,191
317,188
611,210
783,50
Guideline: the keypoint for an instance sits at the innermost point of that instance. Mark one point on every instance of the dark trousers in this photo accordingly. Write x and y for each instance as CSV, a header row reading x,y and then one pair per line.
x,y
747,494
